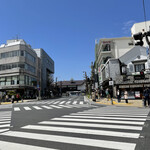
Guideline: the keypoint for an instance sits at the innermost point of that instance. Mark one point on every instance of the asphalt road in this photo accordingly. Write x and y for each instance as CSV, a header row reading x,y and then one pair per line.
x,y
70,124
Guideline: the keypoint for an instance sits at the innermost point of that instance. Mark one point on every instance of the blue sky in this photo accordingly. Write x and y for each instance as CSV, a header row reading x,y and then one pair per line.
x,y
67,29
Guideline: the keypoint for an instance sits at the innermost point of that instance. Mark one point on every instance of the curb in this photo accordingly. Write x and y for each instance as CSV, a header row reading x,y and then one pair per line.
x,y
86,99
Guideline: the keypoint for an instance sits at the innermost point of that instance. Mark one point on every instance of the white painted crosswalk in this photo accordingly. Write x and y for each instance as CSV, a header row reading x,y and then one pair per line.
x,y
5,120
51,106
101,128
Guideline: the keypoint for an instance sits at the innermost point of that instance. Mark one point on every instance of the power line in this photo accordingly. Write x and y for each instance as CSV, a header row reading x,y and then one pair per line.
x,y
144,15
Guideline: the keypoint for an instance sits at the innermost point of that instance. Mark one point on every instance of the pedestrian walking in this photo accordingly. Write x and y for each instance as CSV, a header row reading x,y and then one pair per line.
x,y
126,96
107,94
111,95
146,94
118,95
13,98
6,98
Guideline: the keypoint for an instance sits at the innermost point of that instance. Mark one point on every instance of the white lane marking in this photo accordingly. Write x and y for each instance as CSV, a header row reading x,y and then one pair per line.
x,y
81,102
104,121
68,102
3,130
73,140
56,102
55,106
62,102
15,146
37,107
112,118
65,106
83,131
3,122
27,108
124,127
4,125
130,116
75,102
47,107
16,109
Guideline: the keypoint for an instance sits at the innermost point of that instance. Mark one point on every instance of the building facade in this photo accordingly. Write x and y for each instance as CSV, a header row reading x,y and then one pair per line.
x,y
24,70
46,72
18,68
110,48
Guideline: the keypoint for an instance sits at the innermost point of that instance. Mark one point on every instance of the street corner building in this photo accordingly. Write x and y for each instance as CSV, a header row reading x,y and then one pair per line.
x,y
23,70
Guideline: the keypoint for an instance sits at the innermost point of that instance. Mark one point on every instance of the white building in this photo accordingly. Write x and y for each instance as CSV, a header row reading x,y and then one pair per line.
x,y
110,48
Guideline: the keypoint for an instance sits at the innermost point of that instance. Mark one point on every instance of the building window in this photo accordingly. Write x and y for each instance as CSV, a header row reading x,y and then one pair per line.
x,y
139,67
106,47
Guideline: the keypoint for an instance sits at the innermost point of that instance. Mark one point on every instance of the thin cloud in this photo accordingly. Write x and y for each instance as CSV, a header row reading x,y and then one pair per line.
x,y
127,26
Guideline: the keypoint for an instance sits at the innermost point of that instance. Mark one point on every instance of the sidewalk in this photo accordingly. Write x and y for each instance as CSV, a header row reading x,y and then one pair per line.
x,y
26,100
104,101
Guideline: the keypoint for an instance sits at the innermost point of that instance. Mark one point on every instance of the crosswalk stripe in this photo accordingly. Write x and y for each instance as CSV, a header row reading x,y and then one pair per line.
x,y
56,102
65,106
3,130
73,140
62,102
130,116
37,107
75,102
68,102
2,122
104,121
47,107
124,127
83,131
4,125
5,119
55,106
81,103
16,109
113,113
27,108
112,118
9,145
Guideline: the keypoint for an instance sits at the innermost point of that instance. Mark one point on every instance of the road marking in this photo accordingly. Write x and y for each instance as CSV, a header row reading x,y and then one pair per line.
x,y
112,118
75,102
3,130
36,107
81,102
83,131
68,102
65,106
55,106
124,127
104,121
130,116
9,145
47,107
16,109
62,102
56,102
27,108
2,122
4,125
73,140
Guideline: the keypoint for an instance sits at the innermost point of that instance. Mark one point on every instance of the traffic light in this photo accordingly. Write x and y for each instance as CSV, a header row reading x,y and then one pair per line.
x,y
142,74
139,36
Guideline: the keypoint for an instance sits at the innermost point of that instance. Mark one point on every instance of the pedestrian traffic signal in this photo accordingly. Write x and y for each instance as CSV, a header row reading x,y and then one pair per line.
x,y
142,74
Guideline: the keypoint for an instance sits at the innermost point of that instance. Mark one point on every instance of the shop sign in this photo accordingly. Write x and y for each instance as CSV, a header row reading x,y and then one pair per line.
x,y
137,94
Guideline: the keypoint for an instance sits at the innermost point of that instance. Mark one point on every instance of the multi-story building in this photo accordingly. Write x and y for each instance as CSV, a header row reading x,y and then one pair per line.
x,y
47,70
18,68
24,70
110,48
